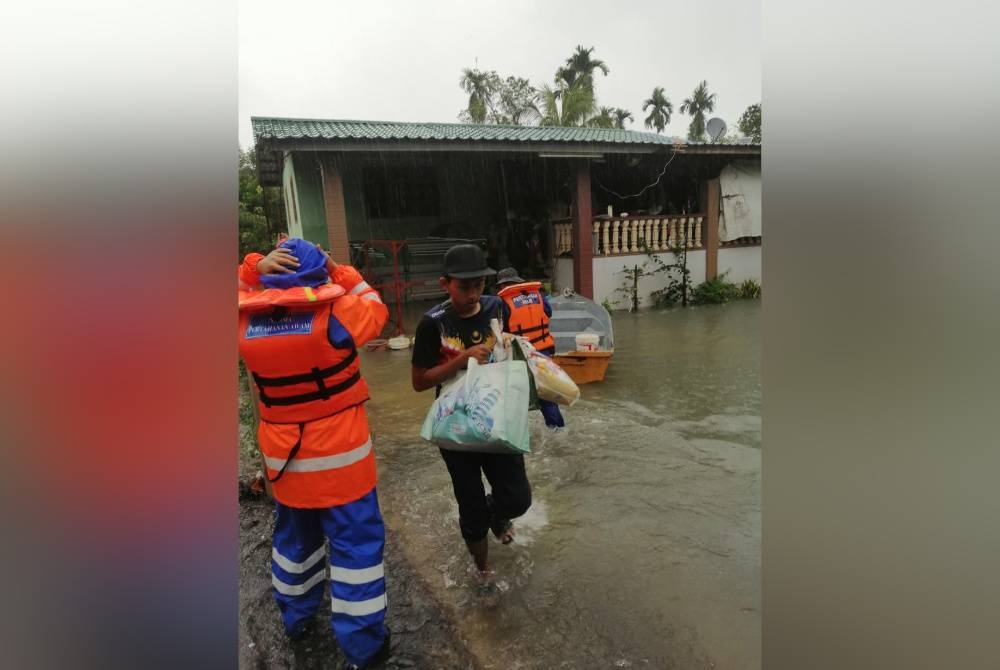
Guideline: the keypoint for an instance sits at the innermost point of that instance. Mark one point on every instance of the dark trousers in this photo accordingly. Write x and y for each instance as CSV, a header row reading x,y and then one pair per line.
x,y
508,481
550,410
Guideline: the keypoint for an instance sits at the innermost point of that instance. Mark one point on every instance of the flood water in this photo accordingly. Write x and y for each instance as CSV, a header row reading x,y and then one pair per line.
x,y
642,546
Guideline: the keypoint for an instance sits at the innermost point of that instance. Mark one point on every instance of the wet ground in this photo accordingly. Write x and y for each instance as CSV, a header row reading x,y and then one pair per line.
x,y
641,548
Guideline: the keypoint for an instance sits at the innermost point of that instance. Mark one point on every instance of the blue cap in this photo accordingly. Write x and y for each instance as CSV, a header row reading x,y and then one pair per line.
x,y
312,267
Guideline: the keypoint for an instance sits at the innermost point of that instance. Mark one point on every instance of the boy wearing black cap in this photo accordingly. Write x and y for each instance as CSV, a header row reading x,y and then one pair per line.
x,y
447,336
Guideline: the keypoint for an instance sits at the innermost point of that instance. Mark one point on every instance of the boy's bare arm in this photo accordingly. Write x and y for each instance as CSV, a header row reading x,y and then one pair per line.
x,y
427,378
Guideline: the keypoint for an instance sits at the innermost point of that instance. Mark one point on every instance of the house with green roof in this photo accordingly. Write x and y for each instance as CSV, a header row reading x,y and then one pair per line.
x,y
564,205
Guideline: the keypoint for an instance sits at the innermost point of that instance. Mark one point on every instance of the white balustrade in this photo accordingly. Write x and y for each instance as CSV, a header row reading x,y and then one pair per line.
x,y
634,236
564,238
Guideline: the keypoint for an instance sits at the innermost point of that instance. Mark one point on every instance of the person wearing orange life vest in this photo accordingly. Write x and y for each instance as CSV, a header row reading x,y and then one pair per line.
x,y
526,312
301,317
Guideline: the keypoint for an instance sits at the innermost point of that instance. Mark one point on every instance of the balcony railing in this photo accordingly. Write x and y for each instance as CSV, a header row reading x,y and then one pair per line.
x,y
633,235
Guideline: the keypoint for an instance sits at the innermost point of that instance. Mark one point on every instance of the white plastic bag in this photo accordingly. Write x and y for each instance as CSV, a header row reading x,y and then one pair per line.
x,y
485,410
551,381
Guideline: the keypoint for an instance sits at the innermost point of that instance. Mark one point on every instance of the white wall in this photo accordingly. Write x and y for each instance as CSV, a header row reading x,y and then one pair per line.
x,y
742,263
608,276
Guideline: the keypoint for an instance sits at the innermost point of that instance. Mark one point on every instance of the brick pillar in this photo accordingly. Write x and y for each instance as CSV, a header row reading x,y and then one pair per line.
x,y
712,205
336,213
583,231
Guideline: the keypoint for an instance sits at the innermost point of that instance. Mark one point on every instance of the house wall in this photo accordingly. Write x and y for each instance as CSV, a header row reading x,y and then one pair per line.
x,y
291,197
309,193
608,277
562,274
741,263
303,190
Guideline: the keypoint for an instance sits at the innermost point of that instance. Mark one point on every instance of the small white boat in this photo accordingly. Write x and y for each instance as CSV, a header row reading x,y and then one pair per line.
x,y
574,315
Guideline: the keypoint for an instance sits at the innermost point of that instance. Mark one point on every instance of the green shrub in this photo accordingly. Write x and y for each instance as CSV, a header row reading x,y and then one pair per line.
x,y
715,291
749,289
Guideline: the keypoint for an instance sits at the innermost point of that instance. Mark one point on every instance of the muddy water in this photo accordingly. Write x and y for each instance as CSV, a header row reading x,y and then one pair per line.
x,y
642,547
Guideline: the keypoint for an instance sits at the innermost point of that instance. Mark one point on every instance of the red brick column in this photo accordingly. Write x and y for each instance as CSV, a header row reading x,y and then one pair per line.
x,y
712,205
336,213
583,232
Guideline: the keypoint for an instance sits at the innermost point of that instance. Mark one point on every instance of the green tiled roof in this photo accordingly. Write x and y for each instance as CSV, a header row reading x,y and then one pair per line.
x,y
277,129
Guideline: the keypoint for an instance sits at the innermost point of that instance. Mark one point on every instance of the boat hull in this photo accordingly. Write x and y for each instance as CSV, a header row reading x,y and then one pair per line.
x,y
584,367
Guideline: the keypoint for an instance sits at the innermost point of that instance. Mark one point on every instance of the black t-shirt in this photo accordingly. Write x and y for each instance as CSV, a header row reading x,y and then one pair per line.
x,y
442,334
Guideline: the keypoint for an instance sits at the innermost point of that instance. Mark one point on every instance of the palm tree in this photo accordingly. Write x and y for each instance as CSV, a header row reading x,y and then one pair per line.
x,y
662,108
580,67
699,103
566,105
479,86
604,118
620,116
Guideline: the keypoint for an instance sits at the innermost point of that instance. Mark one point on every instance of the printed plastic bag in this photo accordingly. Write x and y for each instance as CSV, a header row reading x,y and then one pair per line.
x,y
505,349
485,410
551,381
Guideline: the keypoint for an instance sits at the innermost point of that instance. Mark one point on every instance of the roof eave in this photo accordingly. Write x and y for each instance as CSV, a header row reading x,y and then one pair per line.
x,y
348,145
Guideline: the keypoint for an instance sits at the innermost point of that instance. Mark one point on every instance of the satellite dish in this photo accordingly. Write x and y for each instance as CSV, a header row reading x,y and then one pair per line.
x,y
716,128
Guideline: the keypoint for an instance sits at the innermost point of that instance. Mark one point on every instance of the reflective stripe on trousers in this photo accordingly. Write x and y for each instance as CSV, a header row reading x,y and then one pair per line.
x,y
357,575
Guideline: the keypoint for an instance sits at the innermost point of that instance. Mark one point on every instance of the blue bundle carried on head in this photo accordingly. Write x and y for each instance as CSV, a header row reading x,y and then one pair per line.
x,y
312,267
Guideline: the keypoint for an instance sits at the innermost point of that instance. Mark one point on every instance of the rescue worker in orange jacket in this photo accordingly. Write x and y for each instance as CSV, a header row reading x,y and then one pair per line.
x,y
526,312
301,319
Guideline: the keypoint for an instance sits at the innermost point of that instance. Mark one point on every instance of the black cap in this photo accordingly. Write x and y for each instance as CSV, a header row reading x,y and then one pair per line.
x,y
508,276
466,261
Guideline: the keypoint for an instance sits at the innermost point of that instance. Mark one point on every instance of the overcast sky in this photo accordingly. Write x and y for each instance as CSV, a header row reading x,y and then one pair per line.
x,y
401,61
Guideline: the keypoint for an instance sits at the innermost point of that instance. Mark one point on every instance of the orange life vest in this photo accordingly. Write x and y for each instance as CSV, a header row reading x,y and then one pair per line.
x,y
527,313
313,431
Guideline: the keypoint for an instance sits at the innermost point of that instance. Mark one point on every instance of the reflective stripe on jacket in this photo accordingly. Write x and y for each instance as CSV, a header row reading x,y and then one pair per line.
x,y
299,348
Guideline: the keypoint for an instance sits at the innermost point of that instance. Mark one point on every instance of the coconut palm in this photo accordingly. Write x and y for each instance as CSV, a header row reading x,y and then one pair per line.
x,y
620,115
580,67
701,101
566,105
662,108
479,86
605,118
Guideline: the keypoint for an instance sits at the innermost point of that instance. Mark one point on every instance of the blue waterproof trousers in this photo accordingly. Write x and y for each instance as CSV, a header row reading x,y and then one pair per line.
x,y
357,577
550,410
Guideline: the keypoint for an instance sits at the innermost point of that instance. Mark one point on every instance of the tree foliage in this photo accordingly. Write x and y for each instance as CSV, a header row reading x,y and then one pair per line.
x,y
660,109
571,101
566,105
621,115
493,99
480,87
261,209
515,102
579,68
603,119
701,101
749,123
